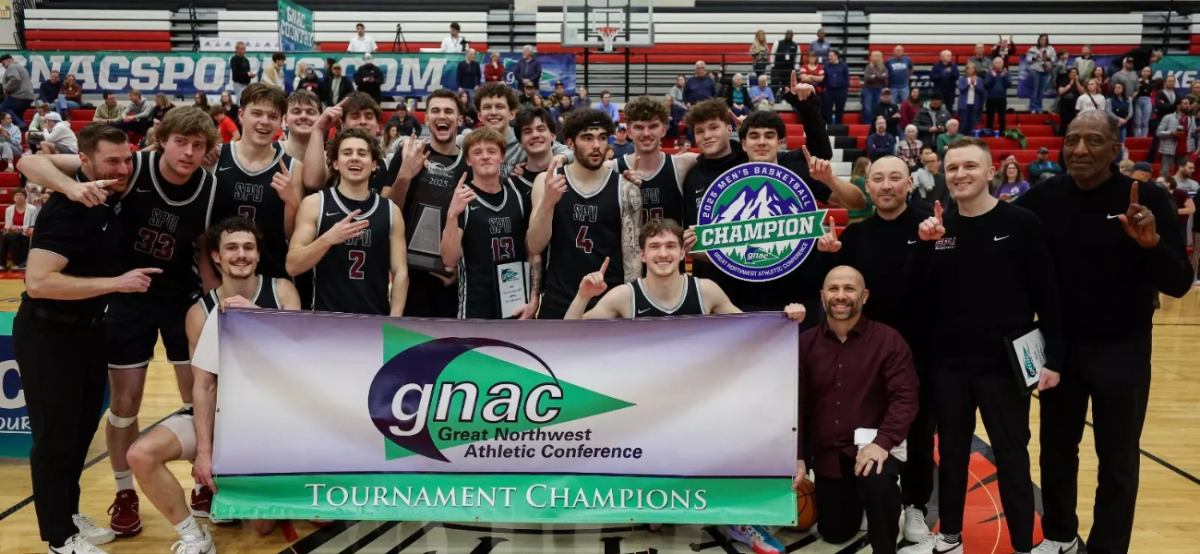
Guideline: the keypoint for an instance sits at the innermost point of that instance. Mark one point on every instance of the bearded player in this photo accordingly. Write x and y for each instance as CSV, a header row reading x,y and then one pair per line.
x,y
164,213
188,435
350,237
582,214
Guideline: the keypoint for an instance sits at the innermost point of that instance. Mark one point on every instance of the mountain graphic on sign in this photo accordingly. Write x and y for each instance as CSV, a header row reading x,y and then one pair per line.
x,y
752,204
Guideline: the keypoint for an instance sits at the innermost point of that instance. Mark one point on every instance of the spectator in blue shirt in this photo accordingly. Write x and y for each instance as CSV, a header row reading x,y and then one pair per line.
x,y
880,143
837,86
528,69
900,70
620,144
700,87
761,94
820,46
737,97
995,85
470,75
944,77
607,106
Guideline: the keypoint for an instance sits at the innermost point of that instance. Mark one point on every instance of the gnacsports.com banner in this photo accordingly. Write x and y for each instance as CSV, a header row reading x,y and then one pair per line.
x,y
686,420
186,73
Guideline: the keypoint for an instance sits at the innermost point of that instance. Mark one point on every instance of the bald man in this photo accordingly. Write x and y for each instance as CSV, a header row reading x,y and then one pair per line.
x,y
861,387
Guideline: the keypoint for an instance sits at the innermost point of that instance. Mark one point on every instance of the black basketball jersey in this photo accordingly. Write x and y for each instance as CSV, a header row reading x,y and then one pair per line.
x,y
250,195
586,229
691,303
353,276
267,296
161,221
428,200
662,194
493,234
524,183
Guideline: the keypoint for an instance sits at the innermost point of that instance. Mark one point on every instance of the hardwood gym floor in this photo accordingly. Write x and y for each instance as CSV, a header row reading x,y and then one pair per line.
x,y
1167,518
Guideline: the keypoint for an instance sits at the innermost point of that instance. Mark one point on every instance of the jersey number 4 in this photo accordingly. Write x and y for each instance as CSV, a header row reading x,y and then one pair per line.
x,y
357,259
159,245
582,241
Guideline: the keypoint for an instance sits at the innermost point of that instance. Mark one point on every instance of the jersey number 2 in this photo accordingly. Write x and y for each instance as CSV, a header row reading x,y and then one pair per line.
x,y
357,259
159,245
582,241
246,212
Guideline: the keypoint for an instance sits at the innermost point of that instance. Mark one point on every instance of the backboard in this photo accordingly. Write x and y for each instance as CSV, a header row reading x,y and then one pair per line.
x,y
582,18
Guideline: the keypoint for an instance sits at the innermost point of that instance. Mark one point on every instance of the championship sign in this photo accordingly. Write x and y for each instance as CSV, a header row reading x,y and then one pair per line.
x,y
758,222
359,418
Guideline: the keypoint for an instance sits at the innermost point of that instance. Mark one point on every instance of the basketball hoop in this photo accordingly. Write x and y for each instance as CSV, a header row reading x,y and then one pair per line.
x,y
609,34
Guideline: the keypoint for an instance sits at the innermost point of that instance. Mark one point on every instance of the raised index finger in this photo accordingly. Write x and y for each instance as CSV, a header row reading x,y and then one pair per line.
x,y
283,169
462,181
1133,193
807,156
604,266
937,210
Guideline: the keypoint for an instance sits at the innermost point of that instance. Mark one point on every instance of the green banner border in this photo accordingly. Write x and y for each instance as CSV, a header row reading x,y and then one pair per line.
x,y
726,500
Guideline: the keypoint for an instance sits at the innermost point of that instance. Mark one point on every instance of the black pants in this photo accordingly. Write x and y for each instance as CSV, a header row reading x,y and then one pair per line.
x,y
1005,412
16,244
64,373
139,126
916,481
429,297
842,501
834,105
1117,379
994,107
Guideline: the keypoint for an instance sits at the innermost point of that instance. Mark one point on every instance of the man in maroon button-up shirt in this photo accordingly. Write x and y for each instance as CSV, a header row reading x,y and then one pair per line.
x,y
855,374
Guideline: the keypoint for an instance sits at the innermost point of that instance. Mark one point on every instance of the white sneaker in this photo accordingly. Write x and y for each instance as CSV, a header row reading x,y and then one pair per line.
x,y
77,545
924,546
915,528
91,533
934,544
191,544
1054,547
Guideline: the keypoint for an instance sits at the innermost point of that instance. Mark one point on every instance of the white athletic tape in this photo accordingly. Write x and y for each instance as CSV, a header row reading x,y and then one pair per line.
x,y
121,422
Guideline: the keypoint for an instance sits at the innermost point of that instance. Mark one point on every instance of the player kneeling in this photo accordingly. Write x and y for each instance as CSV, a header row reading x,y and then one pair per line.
x,y
665,291
188,435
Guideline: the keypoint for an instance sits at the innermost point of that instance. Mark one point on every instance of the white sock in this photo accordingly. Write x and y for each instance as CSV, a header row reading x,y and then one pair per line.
x,y
188,527
187,405
124,480
197,487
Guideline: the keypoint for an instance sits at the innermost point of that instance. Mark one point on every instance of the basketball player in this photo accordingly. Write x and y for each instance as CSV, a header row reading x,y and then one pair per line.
x,y
879,247
762,134
485,236
535,129
497,105
426,173
983,273
583,213
164,213
662,188
187,435
74,267
303,110
254,177
666,291
1115,240
356,111
350,237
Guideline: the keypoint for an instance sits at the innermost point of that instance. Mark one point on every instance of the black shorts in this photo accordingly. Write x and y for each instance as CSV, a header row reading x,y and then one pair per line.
x,y
134,322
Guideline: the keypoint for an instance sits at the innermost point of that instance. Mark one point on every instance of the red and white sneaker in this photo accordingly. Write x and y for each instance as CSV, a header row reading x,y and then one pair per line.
x,y
125,522
202,506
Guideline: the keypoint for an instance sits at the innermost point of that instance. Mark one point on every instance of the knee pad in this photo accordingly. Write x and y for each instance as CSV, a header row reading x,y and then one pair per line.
x,y
121,422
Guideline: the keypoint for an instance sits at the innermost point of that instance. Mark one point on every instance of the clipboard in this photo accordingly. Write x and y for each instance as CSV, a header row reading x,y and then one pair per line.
x,y
1027,356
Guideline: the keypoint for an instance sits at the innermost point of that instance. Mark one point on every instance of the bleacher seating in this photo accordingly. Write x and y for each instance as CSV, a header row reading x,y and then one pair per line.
x,y
135,30
334,28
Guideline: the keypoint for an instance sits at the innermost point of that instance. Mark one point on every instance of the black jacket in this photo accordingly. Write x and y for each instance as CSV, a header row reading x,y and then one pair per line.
x,y
326,90
887,111
372,88
239,68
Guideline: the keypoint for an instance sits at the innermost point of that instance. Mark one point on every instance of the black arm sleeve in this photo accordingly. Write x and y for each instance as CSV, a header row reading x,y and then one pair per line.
x,y
1041,278
815,132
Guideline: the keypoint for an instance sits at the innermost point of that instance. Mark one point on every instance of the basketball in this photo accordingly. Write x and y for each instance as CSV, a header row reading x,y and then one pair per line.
x,y
806,505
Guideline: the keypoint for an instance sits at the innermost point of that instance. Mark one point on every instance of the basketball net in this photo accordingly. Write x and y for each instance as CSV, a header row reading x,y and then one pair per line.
x,y
609,34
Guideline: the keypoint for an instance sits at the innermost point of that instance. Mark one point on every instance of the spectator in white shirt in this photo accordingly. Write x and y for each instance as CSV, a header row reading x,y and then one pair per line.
x,y
1093,100
362,42
60,139
453,44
